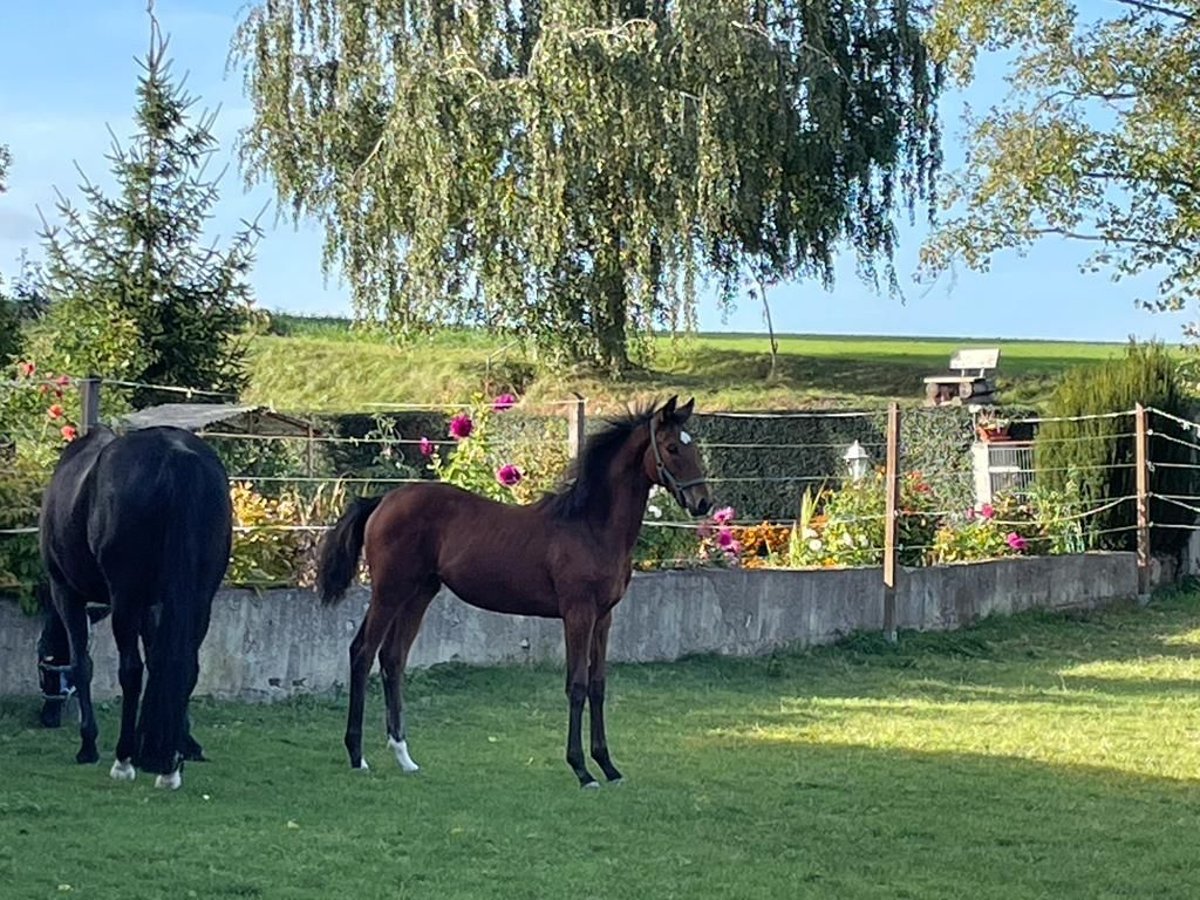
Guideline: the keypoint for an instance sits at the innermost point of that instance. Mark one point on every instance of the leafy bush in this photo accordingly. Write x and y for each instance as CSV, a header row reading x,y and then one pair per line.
x,y
35,422
1099,453
277,549
1039,523
848,530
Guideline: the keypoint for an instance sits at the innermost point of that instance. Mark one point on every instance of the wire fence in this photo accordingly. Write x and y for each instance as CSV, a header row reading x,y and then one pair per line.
x,y
770,466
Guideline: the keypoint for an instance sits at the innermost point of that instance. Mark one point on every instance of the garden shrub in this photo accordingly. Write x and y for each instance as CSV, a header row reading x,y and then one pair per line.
x,y
1098,454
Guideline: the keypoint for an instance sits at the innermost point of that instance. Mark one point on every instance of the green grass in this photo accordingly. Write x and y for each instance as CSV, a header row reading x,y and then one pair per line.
x,y
1039,756
325,365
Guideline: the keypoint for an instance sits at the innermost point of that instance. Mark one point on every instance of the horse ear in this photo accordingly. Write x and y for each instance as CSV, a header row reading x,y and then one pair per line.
x,y
668,409
683,413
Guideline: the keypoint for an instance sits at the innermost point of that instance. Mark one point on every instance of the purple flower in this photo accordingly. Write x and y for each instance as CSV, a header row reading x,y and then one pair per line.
x,y
723,516
1016,542
426,447
725,538
503,403
461,427
509,475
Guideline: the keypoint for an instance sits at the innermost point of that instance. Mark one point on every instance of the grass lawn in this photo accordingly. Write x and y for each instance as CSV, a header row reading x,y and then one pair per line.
x,y
1040,756
325,366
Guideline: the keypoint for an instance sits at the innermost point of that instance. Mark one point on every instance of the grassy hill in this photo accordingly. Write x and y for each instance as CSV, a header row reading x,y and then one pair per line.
x,y
325,364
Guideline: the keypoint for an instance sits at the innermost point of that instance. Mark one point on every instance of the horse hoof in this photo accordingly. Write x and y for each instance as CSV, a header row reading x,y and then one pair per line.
x,y
591,786
617,782
122,770
400,748
84,757
172,782
362,766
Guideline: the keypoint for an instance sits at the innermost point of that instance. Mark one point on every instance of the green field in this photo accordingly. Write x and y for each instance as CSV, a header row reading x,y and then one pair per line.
x,y
323,365
1037,756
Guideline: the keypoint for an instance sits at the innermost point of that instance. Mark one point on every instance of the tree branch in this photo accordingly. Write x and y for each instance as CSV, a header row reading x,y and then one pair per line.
x,y
1162,10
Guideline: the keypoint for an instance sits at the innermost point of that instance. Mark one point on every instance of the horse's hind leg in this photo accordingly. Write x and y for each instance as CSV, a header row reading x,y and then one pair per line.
x,y
393,657
363,648
596,676
71,607
125,631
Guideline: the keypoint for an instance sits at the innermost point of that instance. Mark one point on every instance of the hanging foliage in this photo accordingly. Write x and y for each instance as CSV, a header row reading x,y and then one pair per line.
x,y
572,171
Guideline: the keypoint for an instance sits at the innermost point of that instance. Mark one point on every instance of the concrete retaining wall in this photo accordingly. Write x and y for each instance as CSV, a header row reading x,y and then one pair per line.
x,y
283,642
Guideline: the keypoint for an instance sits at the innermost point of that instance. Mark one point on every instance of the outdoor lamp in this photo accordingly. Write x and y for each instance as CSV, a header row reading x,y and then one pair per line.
x,y
858,460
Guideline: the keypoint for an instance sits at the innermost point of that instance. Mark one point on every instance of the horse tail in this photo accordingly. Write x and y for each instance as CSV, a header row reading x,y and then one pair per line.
x,y
198,536
337,559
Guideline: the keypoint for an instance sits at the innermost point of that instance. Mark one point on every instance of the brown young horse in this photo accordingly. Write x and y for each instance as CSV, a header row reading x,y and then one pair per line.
x,y
567,556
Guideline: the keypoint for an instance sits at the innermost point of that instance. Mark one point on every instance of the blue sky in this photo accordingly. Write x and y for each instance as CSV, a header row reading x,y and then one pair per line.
x,y
67,69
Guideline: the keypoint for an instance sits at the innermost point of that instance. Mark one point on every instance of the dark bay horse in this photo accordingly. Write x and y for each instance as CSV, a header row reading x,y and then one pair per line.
x,y
568,556
141,523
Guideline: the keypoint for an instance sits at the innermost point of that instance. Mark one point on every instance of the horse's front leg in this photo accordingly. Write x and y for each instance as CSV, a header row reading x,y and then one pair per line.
x,y
73,611
578,626
596,675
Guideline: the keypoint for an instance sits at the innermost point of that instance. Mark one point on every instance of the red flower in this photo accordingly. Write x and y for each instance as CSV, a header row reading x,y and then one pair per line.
x,y
55,411
461,427
63,380
69,433
508,475
26,369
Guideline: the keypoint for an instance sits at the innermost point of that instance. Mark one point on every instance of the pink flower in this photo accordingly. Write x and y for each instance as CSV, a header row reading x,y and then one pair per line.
x,y
970,514
725,538
723,516
63,380
987,511
55,411
26,369
1016,542
461,427
509,475
704,531
503,403
426,447
69,433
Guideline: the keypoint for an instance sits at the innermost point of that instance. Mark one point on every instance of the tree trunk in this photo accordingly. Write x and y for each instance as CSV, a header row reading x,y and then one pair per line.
x,y
610,309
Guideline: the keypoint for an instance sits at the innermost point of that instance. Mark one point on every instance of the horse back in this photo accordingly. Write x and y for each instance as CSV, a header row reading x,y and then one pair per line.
x,y
161,494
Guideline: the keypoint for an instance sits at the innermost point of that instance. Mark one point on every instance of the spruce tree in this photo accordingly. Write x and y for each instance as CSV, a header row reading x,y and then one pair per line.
x,y
137,292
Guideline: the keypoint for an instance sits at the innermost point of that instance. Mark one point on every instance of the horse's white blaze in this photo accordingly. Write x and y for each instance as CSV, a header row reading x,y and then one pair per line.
x,y
684,437
400,748
172,782
122,770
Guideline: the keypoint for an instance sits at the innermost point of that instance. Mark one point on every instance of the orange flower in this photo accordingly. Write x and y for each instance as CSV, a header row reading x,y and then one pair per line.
x,y
26,369
69,433
55,411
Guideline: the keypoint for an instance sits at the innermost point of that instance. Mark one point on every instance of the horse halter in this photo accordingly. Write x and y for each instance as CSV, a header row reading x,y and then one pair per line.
x,y
665,476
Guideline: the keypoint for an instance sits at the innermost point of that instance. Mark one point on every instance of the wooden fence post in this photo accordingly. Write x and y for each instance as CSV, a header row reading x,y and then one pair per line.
x,y
891,521
1142,463
576,426
89,401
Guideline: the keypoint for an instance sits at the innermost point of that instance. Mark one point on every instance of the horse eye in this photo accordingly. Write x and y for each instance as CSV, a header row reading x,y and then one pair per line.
x,y
672,448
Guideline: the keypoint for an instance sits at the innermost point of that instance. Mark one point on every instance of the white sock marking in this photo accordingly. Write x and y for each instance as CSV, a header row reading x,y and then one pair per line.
x,y
122,770
362,766
400,748
172,782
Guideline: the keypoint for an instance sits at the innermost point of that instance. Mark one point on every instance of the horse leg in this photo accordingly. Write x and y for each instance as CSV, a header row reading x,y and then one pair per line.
x,y
596,698
393,657
125,630
71,608
363,648
578,626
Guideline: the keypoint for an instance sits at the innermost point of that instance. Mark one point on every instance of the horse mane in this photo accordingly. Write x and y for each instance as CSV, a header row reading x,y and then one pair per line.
x,y
584,487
